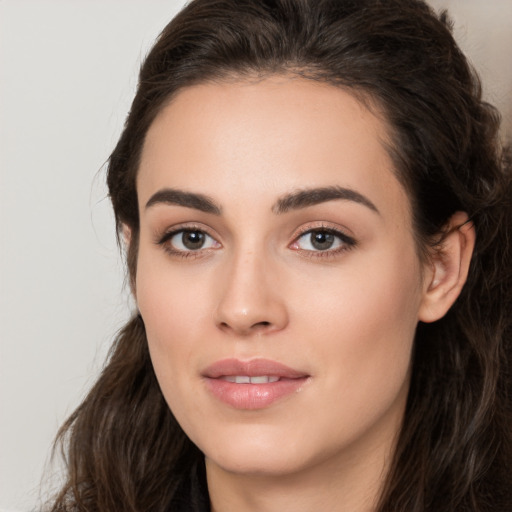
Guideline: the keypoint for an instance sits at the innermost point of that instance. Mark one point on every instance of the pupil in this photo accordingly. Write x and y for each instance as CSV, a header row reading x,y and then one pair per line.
x,y
322,240
193,239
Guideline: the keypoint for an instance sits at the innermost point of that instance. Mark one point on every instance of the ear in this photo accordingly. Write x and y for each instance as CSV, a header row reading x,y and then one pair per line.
x,y
448,269
126,231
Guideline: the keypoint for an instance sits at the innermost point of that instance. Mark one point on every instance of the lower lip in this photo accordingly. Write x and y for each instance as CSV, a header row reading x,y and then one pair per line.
x,y
253,396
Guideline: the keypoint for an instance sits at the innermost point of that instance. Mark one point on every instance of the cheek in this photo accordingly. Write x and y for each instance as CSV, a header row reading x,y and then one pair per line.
x,y
167,296
173,305
367,321
171,309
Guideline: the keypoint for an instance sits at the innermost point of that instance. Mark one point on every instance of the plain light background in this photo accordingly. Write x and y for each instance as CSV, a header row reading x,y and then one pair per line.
x,y
67,76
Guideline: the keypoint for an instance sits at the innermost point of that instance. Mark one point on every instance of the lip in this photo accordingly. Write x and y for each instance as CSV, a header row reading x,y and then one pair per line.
x,y
252,396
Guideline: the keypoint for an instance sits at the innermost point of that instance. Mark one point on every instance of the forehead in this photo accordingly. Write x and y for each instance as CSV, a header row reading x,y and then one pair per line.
x,y
268,137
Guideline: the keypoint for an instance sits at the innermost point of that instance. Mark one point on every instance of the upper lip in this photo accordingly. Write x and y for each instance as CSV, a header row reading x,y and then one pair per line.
x,y
252,368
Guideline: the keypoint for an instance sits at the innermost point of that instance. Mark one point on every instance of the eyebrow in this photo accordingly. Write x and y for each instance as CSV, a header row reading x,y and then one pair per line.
x,y
310,197
187,199
293,201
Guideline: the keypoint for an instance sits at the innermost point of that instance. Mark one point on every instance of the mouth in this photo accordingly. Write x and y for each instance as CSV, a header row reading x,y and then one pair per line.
x,y
254,384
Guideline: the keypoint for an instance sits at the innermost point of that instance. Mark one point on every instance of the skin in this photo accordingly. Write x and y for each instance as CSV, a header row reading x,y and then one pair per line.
x,y
345,316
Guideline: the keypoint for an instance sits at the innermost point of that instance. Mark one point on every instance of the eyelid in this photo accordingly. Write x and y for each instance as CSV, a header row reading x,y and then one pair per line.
x,y
161,236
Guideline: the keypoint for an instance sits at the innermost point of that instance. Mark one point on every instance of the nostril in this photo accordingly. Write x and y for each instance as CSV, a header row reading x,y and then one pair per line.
x,y
250,328
261,325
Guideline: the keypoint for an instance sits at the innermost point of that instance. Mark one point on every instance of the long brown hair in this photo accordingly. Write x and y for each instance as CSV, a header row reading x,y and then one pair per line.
x,y
124,449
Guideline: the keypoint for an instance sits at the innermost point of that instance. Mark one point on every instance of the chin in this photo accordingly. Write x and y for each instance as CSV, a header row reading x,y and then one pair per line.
x,y
254,455
255,464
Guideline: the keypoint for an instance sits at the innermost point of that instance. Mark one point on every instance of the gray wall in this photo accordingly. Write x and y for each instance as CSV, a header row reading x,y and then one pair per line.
x,y
483,29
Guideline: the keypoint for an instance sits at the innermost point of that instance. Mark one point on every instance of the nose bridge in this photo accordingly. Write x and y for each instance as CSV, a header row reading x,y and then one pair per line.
x,y
249,299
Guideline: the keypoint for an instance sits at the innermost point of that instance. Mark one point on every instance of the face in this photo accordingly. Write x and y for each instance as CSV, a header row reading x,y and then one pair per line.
x,y
277,274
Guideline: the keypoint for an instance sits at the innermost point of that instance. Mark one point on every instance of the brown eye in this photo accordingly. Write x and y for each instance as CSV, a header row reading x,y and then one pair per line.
x,y
321,240
193,240
187,240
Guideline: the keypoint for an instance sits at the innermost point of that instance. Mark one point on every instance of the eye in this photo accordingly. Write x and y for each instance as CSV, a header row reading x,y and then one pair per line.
x,y
323,240
188,240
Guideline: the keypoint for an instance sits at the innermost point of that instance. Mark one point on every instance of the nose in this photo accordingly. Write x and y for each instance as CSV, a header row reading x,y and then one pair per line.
x,y
251,298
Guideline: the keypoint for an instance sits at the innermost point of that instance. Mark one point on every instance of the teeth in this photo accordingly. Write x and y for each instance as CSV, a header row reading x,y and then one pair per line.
x,y
245,379
264,379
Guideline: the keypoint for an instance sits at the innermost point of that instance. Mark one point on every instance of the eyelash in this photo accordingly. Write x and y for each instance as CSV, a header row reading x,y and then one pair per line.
x,y
346,242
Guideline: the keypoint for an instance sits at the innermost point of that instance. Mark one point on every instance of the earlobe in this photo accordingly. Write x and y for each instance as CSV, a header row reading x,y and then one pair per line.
x,y
449,267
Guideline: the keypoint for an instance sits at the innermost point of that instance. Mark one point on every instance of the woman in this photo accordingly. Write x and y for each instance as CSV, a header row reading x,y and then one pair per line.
x,y
317,218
